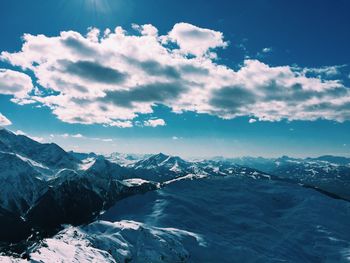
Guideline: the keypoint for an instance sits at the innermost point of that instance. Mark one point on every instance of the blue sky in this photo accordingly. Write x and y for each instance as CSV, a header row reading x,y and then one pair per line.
x,y
310,38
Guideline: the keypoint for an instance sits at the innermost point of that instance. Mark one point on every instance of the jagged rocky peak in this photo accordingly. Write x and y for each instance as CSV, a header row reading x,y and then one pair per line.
x,y
82,156
48,154
125,159
159,159
160,156
103,168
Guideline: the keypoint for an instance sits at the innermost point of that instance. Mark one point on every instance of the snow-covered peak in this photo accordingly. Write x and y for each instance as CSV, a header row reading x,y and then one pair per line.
x,y
124,159
87,163
173,163
101,167
48,154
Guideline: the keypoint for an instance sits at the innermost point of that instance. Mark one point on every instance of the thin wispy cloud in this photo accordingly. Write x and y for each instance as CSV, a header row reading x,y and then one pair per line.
x,y
79,136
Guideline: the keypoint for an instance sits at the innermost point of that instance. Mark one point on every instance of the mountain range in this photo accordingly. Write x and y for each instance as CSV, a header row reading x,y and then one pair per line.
x,y
44,189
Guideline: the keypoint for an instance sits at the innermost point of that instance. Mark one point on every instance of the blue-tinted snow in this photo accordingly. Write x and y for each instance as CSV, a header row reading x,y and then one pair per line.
x,y
246,220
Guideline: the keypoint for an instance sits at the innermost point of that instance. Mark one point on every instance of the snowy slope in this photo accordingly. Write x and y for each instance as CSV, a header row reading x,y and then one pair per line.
x,y
46,186
329,173
159,160
124,241
218,219
19,183
101,167
247,209
246,220
47,154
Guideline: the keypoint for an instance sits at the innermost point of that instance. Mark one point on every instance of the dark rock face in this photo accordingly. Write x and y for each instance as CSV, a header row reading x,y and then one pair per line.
x,y
79,200
12,227
19,184
69,203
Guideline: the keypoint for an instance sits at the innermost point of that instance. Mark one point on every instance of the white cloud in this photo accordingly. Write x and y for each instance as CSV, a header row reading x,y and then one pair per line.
x,y
107,140
327,71
4,121
78,135
252,120
114,78
154,123
121,124
276,93
16,84
101,139
195,40
266,50
146,30
67,135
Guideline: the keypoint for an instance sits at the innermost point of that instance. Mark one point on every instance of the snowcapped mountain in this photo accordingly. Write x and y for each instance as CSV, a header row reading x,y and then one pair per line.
x,y
100,167
161,167
43,187
328,173
125,159
95,204
339,160
83,156
159,160
223,168
47,154
272,221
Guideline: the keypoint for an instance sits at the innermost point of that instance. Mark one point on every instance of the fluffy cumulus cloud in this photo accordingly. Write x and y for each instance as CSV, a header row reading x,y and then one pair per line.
x,y
4,121
195,40
16,84
112,77
252,120
155,123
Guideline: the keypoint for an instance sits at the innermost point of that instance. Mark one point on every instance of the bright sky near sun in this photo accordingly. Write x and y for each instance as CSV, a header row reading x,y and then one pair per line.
x,y
192,78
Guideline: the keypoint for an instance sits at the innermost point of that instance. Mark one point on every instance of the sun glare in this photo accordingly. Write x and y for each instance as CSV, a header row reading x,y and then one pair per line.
x,y
98,6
